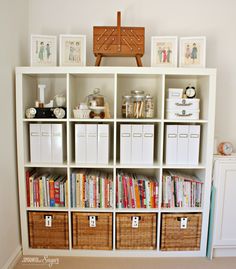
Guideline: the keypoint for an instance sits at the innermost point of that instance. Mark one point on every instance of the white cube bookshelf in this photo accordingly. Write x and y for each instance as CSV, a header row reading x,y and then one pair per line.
x,y
78,82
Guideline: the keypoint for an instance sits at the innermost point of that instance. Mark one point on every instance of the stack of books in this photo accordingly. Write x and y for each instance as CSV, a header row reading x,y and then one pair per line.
x,y
45,190
180,190
91,189
136,191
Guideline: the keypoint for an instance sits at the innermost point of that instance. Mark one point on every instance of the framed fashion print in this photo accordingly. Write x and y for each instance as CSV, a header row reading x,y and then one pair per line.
x,y
164,51
43,50
72,50
192,51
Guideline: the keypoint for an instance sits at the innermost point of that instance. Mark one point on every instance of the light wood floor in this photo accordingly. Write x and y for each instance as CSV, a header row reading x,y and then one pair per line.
x,y
134,263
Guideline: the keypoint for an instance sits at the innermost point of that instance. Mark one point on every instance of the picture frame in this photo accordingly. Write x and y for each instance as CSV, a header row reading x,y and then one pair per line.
x,y
43,50
164,51
72,50
192,51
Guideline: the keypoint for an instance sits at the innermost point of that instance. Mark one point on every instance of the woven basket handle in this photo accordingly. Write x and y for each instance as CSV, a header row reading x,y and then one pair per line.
x,y
179,218
139,217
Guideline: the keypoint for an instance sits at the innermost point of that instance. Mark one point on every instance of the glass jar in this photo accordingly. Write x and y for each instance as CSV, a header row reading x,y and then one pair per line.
x,y
138,106
137,92
148,107
96,99
127,109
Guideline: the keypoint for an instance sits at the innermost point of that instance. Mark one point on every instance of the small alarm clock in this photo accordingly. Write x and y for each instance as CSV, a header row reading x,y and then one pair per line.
x,y
190,92
225,148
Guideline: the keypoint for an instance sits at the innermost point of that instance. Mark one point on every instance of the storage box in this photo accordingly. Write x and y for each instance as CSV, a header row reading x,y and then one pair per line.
x,y
175,93
48,230
184,114
182,109
181,232
92,231
143,236
182,103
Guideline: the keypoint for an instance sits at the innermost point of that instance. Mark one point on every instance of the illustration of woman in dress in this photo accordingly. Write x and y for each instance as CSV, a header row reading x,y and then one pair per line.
x,y
164,55
72,52
194,52
160,54
41,51
77,52
169,51
187,52
48,51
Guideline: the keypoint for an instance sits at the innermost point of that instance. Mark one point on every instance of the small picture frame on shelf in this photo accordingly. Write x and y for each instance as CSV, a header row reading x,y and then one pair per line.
x,y
72,50
43,50
164,51
192,51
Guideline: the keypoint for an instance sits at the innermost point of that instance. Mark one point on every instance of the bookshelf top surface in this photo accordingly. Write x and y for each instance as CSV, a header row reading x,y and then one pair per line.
x,y
115,69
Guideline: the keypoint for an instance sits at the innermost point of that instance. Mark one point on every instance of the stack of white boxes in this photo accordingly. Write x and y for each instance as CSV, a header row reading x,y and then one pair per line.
x,y
182,144
136,144
178,107
92,143
46,143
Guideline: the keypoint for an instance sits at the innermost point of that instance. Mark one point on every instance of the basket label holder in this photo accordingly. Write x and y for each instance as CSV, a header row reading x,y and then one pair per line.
x,y
48,221
135,222
183,223
92,221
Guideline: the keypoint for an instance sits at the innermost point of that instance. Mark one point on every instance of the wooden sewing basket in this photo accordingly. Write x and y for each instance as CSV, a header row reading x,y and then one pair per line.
x,y
117,41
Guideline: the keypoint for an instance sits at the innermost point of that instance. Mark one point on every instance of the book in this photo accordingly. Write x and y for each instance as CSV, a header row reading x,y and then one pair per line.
x,y
181,190
136,191
45,190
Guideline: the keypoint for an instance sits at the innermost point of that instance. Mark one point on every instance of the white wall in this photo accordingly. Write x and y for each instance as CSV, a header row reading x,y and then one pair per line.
x,y
213,18
13,48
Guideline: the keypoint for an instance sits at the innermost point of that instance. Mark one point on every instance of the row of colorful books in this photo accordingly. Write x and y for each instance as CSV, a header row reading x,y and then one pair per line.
x,y
91,189
136,191
180,190
46,190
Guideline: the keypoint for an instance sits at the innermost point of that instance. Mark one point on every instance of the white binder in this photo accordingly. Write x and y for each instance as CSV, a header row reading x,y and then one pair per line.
x,y
194,141
137,144
103,143
148,144
35,143
182,150
125,143
46,155
57,143
80,143
171,144
91,148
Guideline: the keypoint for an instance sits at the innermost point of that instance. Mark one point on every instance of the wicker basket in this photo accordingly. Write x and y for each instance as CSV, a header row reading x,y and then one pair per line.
x,y
54,237
173,237
86,237
142,237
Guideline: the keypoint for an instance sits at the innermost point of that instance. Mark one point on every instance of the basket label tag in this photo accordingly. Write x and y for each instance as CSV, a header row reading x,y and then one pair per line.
x,y
92,221
135,222
183,223
48,221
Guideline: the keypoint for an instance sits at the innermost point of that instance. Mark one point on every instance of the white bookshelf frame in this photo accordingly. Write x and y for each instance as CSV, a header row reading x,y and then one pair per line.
x,y
115,72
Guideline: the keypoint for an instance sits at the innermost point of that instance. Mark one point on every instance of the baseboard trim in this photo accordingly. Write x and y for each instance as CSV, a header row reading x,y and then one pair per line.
x,y
13,259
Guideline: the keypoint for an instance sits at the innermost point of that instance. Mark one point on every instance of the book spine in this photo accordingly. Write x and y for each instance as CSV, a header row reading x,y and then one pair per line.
x,y
77,187
57,193
66,193
41,192
111,196
37,192
27,176
48,191
51,192
62,196
31,187
137,196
